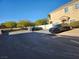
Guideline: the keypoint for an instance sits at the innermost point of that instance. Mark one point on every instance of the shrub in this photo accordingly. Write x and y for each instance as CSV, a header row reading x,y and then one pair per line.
x,y
75,24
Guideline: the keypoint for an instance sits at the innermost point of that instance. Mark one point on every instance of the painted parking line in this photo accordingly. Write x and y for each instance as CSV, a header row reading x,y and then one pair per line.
x,y
53,36
74,41
57,36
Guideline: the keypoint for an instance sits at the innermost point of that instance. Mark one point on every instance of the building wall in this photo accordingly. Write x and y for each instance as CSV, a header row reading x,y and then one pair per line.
x,y
72,12
46,27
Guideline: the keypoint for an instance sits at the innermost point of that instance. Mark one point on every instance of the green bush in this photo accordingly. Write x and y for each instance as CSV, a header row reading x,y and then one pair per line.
x,y
74,24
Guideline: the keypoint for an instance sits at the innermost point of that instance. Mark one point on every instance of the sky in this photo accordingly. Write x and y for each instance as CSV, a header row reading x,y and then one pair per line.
x,y
15,10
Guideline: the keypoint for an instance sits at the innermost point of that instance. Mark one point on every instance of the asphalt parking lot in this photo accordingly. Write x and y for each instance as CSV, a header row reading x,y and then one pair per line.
x,y
36,45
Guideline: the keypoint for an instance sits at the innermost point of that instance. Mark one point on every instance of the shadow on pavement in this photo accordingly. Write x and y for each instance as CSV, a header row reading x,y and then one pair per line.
x,y
35,45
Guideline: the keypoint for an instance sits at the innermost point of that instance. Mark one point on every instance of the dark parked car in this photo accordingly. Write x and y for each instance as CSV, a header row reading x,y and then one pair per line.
x,y
36,28
59,28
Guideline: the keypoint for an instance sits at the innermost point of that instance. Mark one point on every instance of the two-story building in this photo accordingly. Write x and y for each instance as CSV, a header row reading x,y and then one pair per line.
x,y
67,12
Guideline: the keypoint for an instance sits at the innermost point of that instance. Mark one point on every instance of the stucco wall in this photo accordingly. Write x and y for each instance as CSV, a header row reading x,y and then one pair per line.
x,y
73,13
45,27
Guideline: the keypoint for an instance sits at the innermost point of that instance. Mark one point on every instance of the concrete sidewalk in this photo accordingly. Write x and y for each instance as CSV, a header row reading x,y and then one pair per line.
x,y
19,32
74,32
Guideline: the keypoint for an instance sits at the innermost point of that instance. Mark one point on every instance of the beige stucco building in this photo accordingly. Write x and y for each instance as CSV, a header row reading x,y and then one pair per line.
x,y
68,12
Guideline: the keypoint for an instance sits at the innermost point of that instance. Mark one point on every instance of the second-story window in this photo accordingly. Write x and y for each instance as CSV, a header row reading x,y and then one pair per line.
x,y
77,6
66,9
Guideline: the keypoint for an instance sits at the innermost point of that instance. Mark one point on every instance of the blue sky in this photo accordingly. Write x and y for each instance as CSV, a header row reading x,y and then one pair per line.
x,y
15,10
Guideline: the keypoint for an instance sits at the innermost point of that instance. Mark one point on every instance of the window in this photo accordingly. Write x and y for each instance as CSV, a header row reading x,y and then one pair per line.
x,y
77,6
66,9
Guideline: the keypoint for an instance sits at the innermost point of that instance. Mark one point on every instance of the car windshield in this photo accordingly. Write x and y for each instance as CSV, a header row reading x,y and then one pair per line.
x,y
57,26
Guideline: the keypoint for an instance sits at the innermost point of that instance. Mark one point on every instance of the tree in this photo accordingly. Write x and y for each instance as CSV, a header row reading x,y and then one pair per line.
x,y
32,24
9,24
41,22
23,23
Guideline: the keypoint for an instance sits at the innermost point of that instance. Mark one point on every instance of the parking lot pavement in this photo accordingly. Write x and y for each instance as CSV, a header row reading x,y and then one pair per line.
x,y
34,45
44,31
